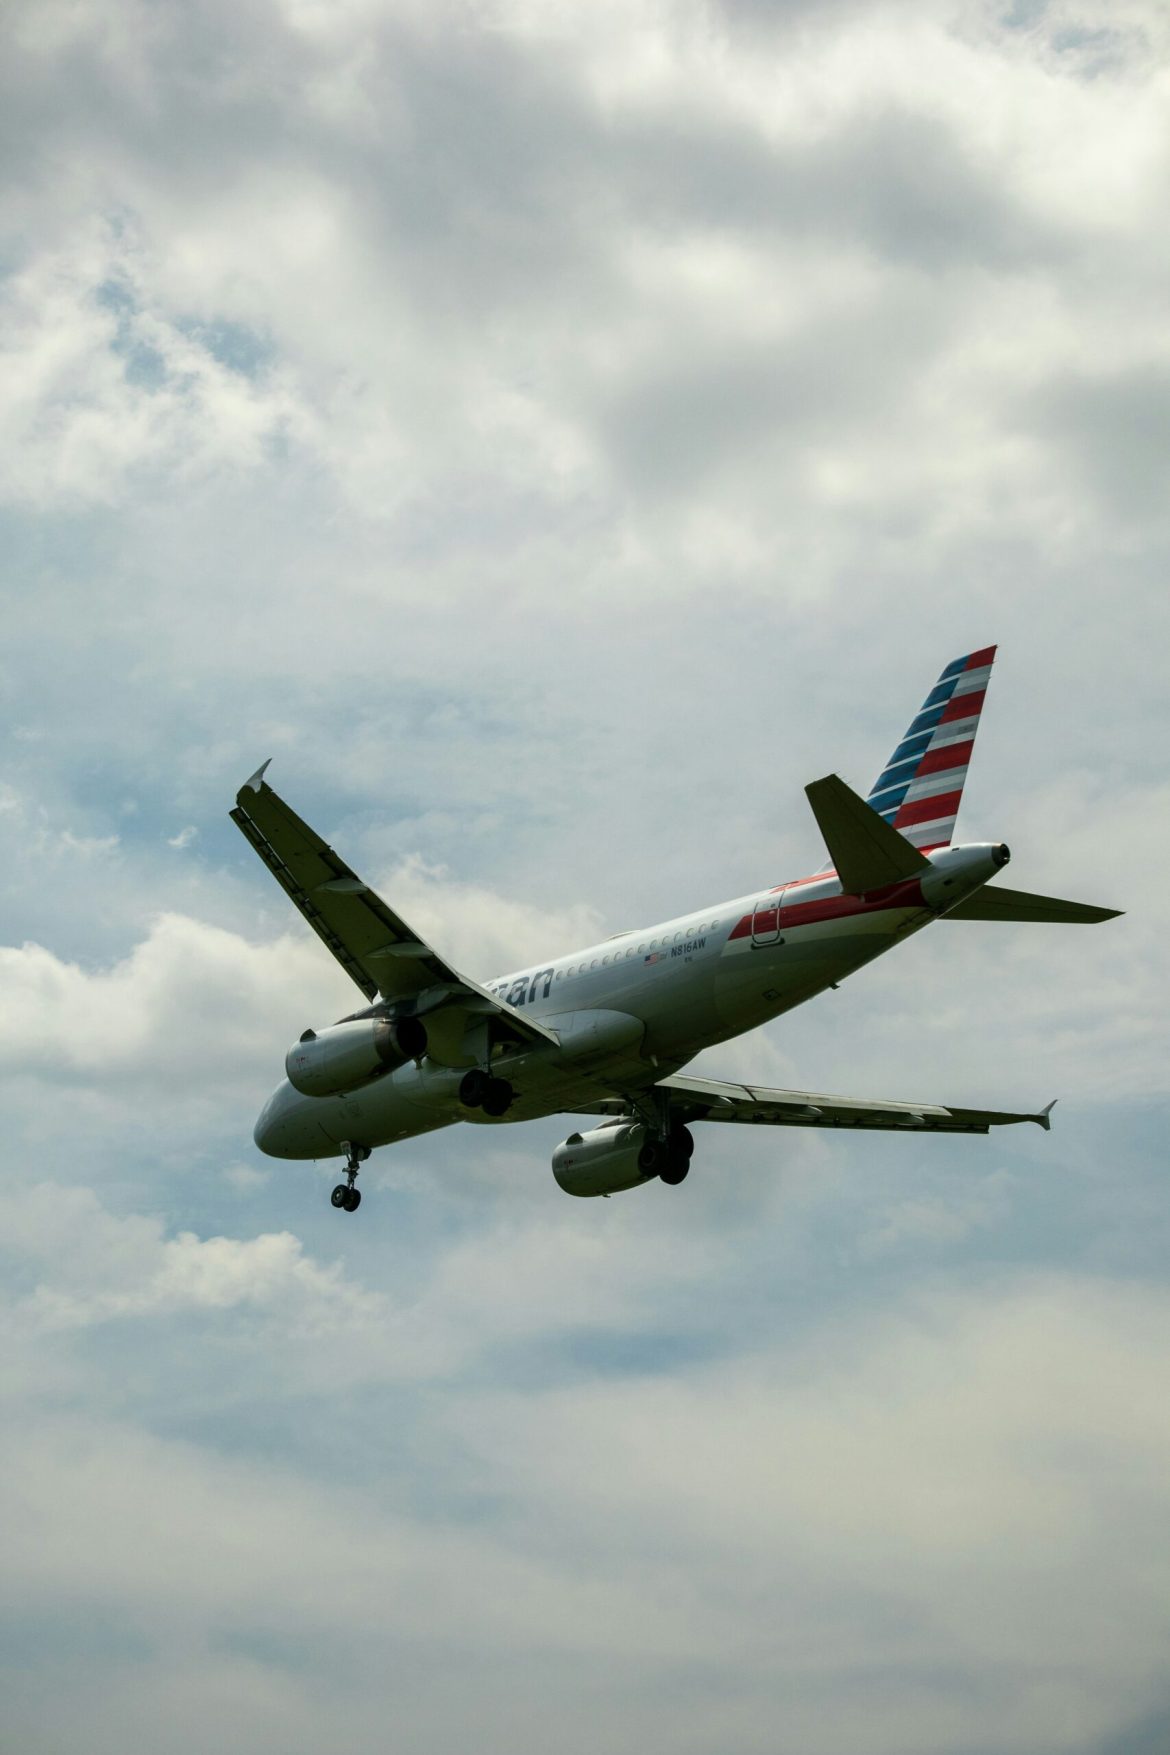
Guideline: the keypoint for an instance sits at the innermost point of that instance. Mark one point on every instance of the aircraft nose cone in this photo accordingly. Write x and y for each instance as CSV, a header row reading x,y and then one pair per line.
x,y
266,1131
287,1127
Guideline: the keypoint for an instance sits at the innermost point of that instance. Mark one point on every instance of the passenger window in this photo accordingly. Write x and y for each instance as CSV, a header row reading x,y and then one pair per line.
x,y
593,964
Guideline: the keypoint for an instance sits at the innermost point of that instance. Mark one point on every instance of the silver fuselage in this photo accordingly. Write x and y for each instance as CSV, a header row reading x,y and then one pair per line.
x,y
639,1006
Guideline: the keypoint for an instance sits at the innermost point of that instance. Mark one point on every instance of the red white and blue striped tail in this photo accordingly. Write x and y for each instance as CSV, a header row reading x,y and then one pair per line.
x,y
919,789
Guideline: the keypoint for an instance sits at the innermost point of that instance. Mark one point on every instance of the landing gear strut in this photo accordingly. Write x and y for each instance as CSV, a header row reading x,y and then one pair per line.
x,y
345,1194
479,1090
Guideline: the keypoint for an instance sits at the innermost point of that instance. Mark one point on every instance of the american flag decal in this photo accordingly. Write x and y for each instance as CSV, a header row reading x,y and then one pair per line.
x,y
920,787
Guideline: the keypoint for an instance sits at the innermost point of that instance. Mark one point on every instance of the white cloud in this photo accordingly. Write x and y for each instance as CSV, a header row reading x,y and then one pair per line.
x,y
98,1268
194,1003
558,433
962,1438
191,1003
99,386
839,1533
246,1179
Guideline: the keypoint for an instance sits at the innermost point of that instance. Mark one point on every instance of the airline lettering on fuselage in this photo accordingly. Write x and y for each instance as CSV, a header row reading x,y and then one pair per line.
x,y
522,991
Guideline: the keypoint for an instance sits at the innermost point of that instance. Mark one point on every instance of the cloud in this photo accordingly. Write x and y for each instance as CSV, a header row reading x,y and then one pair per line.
x,y
556,434
774,1528
964,1435
191,1003
101,388
194,1004
100,1268
246,1178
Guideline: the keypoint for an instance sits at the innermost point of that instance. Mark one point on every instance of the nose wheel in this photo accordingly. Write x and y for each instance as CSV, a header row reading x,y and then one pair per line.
x,y
345,1195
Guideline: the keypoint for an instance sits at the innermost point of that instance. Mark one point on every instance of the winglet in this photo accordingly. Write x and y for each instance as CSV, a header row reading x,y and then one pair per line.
x,y
253,785
1044,1118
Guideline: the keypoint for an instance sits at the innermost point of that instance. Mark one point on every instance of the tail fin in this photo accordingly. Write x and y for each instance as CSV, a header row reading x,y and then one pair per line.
x,y
919,789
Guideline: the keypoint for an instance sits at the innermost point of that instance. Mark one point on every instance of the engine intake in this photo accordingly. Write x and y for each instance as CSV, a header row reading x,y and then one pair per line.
x,y
605,1160
326,1062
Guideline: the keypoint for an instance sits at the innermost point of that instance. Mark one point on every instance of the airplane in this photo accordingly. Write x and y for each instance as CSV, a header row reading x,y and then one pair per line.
x,y
604,1033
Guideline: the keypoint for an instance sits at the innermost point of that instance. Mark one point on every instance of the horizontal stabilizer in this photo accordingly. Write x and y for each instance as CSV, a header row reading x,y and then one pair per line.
x,y
997,904
866,852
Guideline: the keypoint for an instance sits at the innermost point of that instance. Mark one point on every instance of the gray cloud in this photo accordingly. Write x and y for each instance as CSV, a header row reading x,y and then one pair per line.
x,y
1114,429
555,437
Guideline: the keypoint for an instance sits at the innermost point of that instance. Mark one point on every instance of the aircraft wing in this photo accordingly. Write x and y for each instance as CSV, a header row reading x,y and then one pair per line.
x,y
697,1099
373,944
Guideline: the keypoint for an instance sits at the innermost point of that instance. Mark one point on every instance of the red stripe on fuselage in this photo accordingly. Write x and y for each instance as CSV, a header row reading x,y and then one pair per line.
x,y
818,877
907,894
928,810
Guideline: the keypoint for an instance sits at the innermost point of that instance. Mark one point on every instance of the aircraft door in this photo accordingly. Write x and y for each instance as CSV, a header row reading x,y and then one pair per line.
x,y
766,920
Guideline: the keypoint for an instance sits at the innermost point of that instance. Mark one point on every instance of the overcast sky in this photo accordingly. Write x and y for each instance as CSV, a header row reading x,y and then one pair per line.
x,y
555,433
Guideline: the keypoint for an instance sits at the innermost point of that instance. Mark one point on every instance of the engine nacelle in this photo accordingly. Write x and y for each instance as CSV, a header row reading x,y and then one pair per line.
x,y
605,1160
326,1062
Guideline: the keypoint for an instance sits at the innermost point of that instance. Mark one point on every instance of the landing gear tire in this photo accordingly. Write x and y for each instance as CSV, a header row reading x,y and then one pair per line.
x,y
345,1195
474,1087
668,1159
498,1097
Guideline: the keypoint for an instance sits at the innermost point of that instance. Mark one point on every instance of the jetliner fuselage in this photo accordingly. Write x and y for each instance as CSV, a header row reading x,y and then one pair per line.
x,y
651,1000
606,1031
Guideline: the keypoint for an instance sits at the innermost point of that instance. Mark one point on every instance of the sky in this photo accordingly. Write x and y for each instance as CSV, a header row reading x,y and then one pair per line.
x,y
554,434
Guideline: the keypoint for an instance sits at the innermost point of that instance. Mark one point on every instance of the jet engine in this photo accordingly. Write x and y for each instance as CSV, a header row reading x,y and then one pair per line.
x,y
606,1159
326,1062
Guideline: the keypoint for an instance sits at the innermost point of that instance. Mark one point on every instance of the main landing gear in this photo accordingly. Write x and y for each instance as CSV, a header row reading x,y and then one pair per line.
x,y
669,1157
479,1090
345,1194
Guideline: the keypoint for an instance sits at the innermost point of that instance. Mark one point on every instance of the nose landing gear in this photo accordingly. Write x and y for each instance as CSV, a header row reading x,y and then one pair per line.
x,y
345,1194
